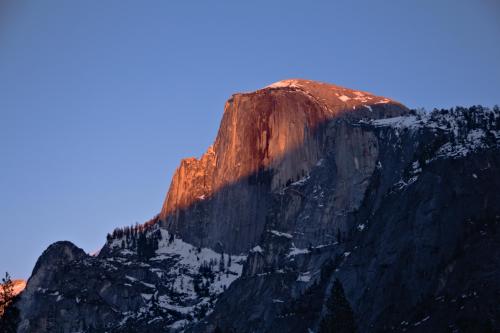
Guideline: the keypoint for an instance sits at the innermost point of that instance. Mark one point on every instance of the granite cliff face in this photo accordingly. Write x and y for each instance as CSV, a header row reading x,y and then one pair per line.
x,y
266,139
418,252
307,187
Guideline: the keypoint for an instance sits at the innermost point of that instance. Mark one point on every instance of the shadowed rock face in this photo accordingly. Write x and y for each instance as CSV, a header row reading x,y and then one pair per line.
x,y
410,230
120,291
266,139
53,258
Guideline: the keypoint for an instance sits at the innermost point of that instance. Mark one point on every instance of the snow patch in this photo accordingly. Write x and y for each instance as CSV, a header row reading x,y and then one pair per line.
x,y
301,181
190,260
304,277
257,249
344,98
294,251
280,234
130,278
147,297
285,84
399,122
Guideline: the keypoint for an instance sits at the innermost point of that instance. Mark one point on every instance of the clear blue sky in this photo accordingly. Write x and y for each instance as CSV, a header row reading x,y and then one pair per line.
x,y
99,100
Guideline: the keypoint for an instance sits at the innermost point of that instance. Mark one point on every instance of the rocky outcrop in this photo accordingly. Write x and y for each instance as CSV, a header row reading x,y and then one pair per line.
x,y
57,255
267,139
120,291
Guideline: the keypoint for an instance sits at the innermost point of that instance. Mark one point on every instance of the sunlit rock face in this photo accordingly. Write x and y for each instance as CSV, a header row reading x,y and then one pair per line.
x,y
267,139
18,286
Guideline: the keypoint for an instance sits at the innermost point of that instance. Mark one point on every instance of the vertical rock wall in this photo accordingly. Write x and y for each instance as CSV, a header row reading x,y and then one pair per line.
x,y
266,140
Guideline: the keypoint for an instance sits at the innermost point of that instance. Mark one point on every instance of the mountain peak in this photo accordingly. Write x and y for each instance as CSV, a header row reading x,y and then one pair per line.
x,y
294,83
332,95
300,83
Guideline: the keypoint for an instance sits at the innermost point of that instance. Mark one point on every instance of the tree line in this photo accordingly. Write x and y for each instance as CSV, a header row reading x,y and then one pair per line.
x,y
141,238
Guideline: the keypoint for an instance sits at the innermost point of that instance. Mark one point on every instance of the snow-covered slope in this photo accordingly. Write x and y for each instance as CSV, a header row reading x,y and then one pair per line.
x,y
174,286
193,276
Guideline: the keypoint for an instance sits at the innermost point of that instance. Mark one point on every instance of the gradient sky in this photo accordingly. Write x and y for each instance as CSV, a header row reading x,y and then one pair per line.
x,y
99,100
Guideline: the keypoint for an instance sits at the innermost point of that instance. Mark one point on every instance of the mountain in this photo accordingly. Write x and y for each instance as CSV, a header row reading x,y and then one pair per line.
x,y
266,139
318,208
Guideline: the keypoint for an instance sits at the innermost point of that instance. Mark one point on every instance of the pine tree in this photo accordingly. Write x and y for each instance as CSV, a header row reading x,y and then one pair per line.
x,y
340,318
221,262
6,293
9,314
142,245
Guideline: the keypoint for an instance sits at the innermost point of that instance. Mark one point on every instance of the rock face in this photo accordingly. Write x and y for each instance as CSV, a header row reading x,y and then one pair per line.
x,y
307,186
44,274
266,139
419,251
19,286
